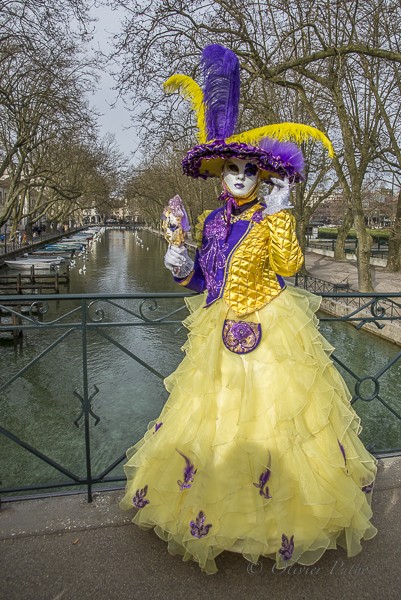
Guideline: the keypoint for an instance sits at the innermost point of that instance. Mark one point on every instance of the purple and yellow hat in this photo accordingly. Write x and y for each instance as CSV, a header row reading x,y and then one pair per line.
x,y
273,147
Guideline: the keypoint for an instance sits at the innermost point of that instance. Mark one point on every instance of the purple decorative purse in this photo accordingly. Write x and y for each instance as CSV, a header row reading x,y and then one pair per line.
x,y
241,337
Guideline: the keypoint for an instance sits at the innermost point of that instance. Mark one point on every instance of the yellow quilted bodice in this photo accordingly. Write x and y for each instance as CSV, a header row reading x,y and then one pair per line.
x,y
270,247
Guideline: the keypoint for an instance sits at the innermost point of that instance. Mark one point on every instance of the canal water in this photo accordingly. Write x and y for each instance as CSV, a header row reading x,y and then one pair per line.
x,y
40,406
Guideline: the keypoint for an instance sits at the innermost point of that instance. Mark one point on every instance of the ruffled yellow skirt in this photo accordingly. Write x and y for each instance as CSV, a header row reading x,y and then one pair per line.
x,y
255,453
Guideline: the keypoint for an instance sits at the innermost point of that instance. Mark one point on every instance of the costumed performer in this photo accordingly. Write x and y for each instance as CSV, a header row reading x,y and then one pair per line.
x,y
256,450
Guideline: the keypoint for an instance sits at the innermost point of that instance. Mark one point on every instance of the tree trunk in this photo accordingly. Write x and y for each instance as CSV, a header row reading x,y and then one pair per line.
x,y
339,249
394,251
301,233
302,214
363,253
28,228
394,242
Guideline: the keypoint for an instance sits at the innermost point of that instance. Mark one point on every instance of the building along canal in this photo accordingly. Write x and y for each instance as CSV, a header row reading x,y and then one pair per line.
x,y
45,413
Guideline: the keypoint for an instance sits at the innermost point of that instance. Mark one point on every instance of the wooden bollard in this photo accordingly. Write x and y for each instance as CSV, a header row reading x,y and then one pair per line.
x,y
56,284
17,333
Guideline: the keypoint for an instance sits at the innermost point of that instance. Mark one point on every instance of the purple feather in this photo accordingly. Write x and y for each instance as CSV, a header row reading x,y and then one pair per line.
x,y
288,152
221,91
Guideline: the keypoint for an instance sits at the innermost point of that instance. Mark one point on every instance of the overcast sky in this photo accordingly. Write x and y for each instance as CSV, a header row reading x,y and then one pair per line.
x,y
113,119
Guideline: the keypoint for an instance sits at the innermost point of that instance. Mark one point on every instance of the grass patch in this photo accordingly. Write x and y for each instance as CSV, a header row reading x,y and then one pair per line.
x,y
332,232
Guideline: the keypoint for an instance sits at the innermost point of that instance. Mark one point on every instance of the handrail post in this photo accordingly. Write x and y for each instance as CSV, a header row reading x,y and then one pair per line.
x,y
86,403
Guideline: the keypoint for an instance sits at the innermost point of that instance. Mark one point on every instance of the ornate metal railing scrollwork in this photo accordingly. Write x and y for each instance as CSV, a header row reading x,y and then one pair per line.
x,y
86,406
152,307
359,384
95,316
98,312
41,308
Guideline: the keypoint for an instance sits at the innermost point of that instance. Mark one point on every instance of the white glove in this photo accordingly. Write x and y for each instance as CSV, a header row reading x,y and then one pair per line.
x,y
178,262
279,198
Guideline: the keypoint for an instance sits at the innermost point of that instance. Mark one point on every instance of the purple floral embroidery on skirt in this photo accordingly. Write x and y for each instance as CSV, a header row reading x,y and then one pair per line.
x,y
262,485
241,337
157,426
139,499
287,547
189,473
368,488
198,527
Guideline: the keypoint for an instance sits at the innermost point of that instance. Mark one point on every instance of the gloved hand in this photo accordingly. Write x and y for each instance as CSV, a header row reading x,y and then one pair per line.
x,y
178,262
279,198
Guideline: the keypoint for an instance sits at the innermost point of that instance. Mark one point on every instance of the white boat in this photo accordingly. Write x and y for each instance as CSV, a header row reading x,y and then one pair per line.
x,y
38,265
65,247
54,258
43,253
74,240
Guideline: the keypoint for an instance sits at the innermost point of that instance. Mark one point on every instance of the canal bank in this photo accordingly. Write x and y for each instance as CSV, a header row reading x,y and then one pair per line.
x,y
325,267
35,244
344,274
64,549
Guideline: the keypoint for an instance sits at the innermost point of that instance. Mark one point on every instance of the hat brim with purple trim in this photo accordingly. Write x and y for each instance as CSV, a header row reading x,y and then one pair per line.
x,y
207,160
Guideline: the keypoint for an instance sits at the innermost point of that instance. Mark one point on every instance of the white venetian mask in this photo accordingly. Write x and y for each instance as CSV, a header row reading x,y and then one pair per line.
x,y
240,176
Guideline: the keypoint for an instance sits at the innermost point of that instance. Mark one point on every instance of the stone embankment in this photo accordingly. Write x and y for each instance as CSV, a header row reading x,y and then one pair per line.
x,y
339,272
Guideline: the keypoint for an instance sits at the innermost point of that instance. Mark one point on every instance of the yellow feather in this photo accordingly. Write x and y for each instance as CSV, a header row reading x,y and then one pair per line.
x,y
191,91
294,132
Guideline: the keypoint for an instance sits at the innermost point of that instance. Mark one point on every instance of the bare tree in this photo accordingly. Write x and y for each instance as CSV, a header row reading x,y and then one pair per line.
x,y
43,80
386,89
313,51
157,179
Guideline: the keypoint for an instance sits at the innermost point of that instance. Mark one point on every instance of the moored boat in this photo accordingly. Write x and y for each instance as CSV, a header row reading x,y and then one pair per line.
x,y
65,247
47,257
39,264
70,254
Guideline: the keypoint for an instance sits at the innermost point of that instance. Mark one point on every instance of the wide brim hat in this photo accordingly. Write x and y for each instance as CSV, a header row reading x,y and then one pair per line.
x,y
274,148
207,160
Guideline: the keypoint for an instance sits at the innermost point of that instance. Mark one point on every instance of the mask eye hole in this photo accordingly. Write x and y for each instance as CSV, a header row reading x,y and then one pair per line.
x,y
233,168
250,169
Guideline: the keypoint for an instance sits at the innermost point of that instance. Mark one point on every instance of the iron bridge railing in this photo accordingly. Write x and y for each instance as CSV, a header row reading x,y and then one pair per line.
x,y
100,314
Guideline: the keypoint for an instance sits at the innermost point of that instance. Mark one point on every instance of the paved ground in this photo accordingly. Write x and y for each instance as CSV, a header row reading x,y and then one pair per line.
x,y
65,549
339,271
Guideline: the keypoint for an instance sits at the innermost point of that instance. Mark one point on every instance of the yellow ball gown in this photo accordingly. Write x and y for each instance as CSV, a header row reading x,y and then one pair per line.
x,y
255,453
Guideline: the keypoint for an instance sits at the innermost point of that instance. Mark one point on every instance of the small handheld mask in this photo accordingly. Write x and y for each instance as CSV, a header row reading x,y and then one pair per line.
x,y
175,222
